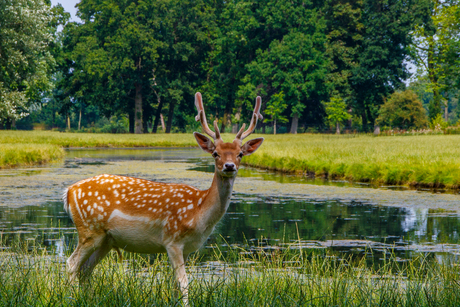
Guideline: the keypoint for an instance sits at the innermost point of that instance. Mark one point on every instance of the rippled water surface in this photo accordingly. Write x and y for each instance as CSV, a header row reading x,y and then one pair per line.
x,y
268,210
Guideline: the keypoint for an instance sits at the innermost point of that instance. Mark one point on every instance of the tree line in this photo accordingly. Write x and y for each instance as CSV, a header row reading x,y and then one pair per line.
x,y
312,62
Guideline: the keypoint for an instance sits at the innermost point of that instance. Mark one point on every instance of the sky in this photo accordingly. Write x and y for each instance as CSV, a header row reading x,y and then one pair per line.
x,y
69,6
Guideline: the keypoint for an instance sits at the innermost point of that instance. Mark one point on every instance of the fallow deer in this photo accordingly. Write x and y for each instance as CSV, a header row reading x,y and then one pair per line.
x,y
142,216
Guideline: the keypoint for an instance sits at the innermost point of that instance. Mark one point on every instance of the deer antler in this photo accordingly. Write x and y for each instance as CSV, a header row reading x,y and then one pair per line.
x,y
202,118
255,116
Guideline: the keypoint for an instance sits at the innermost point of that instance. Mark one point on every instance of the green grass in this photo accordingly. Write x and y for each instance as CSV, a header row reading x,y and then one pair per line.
x,y
280,278
67,140
424,160
25,148
431,160
12,155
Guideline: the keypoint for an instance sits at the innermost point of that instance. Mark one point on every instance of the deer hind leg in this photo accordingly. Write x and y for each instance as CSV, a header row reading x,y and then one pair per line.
x,y
176,257
85,248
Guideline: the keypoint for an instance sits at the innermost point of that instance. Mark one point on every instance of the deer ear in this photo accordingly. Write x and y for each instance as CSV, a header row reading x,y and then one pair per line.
x,y
251,146
204,142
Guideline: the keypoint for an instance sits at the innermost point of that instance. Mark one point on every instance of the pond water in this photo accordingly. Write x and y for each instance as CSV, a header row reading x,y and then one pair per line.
x,y
268,210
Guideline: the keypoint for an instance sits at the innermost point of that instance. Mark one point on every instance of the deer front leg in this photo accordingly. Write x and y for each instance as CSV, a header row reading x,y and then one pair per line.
x,y
176,257
87,268
84,250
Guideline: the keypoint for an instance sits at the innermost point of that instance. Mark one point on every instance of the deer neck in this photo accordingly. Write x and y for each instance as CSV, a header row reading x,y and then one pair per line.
x,y
218,198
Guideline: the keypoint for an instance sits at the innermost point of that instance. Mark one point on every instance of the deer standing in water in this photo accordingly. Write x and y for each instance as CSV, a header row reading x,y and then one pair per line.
x,y
142,216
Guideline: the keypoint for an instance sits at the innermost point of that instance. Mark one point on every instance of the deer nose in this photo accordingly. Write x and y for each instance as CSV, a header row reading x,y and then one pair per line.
x,y
229,166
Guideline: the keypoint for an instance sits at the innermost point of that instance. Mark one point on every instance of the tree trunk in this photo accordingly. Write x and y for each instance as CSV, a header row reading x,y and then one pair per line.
x,y
235,126
172,104
350,121
79,120
446,110
138,109
224,123
337,128
158,115
294,124
434,107
54,114
163,127
131,121
274,126
68,121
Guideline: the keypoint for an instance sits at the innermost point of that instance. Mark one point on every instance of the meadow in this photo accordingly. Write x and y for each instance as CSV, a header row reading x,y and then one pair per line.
x,y
421,160
284,277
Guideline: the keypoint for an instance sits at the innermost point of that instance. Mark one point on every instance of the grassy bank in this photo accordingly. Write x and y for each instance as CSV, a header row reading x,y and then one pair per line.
x,y
12,155
67,140
431,161
25,148
424,160
278,279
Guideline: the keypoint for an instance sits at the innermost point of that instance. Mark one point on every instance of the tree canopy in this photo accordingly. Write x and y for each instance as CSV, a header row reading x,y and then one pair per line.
x,y
143,60
25,58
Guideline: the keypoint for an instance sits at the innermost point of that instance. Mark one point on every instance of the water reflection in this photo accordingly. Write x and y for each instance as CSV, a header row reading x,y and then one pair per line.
x,y
265,223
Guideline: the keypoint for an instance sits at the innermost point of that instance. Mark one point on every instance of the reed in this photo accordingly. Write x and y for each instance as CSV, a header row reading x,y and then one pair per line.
x,y
284,277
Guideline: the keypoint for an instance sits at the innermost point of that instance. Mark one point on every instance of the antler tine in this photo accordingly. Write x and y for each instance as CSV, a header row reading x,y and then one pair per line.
x,y
202,117
256,115
217,129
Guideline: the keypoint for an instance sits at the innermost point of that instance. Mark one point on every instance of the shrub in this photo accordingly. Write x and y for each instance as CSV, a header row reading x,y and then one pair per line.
x,y
404,110
438,123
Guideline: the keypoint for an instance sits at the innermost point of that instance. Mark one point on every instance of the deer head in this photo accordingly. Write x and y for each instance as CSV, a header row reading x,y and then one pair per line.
x,y
227,155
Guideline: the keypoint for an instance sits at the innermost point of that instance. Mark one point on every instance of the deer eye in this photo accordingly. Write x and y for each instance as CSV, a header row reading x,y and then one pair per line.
x,y
215,154
240,155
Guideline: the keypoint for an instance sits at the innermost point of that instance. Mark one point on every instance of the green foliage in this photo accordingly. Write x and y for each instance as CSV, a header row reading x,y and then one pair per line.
x,y
380,68
275,109
438,123
336,110
116,124
403,110
290,58
146,59
436,50
136,57
25,61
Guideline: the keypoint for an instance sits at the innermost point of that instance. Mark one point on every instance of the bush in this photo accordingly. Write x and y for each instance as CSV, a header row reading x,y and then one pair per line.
x,y
114,125
438,123
404,110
